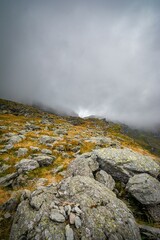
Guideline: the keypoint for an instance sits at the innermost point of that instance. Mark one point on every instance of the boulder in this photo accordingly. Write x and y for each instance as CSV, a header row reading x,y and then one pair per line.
x,y
44,160
106,179
26,165
83,165
101,214
144,188
124,163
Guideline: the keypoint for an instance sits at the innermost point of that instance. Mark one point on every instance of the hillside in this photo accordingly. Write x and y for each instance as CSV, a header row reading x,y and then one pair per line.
x,y
38,149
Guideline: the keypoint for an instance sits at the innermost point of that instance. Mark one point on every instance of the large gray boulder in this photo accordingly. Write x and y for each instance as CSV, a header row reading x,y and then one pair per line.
x,y
124,163
77,208
83,165
26,165
144,188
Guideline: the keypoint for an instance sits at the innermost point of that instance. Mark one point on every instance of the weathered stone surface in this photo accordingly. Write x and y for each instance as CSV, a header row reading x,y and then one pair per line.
x,y
22,151
150,233
105,178
44,160
102,217
144,188
124,163
27,165
8,179
83,165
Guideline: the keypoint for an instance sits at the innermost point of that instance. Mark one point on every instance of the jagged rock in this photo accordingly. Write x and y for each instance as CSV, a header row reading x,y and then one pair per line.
x,y
149,233
83,165
26,165
8,179
22,151
144,188
44,160
46,151
105,178
103,215
124,163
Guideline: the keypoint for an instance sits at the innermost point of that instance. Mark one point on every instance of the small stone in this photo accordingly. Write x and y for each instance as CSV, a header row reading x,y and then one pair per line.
x,y
69,233
56,216
77,210
7,215
78,222
8,146
72,218
46,151
67,209
22,151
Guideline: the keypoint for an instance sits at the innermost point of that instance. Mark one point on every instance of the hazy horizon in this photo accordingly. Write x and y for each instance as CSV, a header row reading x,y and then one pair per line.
x,y
92,57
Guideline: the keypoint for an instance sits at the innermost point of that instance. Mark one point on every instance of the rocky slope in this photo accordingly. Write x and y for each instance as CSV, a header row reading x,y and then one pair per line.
x,y
72,178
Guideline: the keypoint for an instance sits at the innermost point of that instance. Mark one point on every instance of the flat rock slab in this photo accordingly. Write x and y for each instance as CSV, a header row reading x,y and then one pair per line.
x,y
144,188
124,163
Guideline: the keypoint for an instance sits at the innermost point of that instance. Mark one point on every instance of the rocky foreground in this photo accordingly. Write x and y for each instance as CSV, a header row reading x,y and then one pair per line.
x,y
69,179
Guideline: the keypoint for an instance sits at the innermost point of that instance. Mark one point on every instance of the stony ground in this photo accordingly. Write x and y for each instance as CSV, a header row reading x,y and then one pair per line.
x,y
37,147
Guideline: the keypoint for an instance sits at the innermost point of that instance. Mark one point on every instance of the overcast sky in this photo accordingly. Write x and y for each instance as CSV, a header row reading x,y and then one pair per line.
x,y
94,57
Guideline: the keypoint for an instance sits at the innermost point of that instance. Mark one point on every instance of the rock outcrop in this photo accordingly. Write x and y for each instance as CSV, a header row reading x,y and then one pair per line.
x,y
77,208
122,164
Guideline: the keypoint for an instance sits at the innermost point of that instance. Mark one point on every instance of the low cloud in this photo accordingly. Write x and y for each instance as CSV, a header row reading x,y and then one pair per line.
x,y
93,57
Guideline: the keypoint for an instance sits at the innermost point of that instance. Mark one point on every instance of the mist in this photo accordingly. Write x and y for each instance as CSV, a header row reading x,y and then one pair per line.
x,y
93,57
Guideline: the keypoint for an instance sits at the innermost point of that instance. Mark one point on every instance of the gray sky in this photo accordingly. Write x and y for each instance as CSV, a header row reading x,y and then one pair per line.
x,y
95,57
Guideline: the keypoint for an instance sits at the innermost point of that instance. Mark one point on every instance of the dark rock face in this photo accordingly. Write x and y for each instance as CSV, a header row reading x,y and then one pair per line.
x,y
96,213
122,164
149,233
